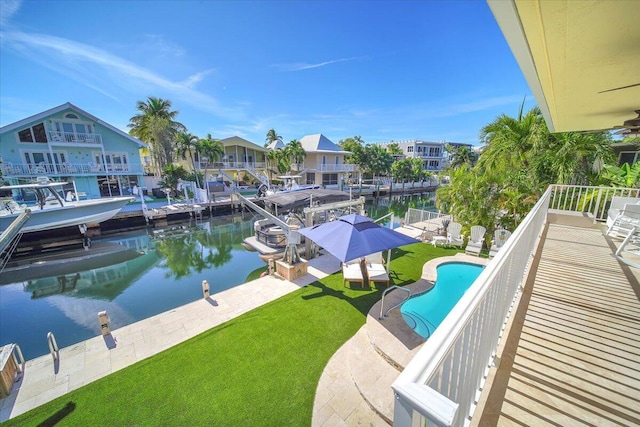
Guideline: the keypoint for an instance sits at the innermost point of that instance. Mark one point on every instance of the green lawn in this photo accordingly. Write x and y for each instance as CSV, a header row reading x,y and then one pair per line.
x,y
261,368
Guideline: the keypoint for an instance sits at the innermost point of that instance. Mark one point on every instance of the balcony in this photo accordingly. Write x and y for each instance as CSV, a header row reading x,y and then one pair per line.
x,y
67,169
230,165
342,167
73,138
546,334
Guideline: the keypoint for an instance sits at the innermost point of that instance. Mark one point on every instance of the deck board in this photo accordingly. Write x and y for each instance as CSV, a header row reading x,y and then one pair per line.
x,y
572,355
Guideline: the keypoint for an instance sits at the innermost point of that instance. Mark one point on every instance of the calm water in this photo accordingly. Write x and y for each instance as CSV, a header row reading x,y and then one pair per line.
x,y
162,271
425,312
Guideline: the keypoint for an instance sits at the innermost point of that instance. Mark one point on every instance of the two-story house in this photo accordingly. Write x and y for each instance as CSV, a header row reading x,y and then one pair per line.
x,y
242,161
324,161
69,144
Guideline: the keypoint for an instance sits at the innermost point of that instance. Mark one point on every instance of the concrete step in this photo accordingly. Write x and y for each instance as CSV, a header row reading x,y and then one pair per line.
x,y
372,375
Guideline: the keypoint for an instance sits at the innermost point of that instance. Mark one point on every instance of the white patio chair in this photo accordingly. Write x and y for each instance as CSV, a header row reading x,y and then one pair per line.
x,y
476,240
617,204
376,270
625,220
454,237
500,237
352,272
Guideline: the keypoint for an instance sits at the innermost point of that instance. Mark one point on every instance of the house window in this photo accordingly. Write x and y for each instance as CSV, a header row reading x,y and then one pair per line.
x,y
337,160
410,149
628,157
71,116
330,179
73,131
311,178
324,160
115,162
43,162
35,133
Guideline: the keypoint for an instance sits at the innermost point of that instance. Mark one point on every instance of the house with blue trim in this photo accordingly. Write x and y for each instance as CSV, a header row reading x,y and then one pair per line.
x,y
69,144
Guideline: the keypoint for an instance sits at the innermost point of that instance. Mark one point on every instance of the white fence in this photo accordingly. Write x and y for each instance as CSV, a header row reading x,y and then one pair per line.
x,y
441,383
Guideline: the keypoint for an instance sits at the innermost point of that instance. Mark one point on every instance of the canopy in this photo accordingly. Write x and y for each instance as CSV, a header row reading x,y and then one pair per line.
x,y
353,236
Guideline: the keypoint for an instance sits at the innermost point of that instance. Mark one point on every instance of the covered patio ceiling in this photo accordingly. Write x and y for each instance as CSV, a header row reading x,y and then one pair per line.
x,y
581,59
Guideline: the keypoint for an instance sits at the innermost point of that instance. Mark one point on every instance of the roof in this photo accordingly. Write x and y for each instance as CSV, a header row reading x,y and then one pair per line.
x,y
68,106
581,59
319,143
302,198
276,145
237,141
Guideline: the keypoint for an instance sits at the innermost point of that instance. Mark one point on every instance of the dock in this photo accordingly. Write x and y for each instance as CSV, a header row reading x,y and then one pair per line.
x,y
46,378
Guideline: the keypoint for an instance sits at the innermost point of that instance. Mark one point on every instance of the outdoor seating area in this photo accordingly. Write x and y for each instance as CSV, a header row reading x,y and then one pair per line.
x,y
376,270
623,216
500,237
352,272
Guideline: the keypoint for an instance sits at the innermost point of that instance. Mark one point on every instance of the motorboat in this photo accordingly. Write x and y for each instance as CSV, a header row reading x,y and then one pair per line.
x,y
51,210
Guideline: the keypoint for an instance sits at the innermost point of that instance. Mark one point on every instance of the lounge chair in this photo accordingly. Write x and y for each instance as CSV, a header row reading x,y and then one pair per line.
x,y
376,270
500,237
352,272
617,204
476,240
454,238
626,219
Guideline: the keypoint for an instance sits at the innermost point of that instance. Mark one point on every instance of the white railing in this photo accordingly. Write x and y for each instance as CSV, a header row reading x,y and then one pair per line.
x,y
594,201
427,220
9,169
440,384
230,165
342,167
74,137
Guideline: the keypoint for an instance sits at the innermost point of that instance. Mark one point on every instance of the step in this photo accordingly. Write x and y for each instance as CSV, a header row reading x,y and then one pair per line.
x,y
372,375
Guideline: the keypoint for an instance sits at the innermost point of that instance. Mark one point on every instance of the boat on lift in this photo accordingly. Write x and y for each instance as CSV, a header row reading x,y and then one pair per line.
x,y
290,183
51,210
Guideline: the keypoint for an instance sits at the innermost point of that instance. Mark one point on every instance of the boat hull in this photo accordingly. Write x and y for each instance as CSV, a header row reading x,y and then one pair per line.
x,y
82,212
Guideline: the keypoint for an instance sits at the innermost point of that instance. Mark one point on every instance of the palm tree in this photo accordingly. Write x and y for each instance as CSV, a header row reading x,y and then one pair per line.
x,y
187,143
295,153
272,136
213,150
155,124
461,155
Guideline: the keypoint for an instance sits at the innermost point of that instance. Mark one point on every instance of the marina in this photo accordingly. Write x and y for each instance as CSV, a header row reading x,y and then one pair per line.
x,y
154,269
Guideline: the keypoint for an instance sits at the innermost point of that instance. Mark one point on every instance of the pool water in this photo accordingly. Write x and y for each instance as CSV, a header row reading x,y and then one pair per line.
x,y
425,312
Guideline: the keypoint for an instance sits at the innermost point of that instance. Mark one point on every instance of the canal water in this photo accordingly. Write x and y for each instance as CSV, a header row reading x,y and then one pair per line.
x,y
152,271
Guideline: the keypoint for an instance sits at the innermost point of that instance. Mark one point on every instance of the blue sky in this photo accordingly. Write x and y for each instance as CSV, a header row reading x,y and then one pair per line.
x,y
382,70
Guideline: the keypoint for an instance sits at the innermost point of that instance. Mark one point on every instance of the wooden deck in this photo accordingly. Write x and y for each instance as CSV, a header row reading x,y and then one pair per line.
x,y
572,351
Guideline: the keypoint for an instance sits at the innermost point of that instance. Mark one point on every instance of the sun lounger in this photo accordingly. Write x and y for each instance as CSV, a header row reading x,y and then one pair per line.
x,y
626,219
376,270
352,272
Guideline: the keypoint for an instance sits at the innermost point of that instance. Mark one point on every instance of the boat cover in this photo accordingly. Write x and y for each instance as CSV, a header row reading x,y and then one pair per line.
x,y
290,200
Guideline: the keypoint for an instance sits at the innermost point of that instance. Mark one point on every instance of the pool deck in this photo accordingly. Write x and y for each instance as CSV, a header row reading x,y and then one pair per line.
x,y
355,386
45,379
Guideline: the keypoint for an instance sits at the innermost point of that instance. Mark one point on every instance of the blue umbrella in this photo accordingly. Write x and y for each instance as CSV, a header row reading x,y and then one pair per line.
x,y
353,236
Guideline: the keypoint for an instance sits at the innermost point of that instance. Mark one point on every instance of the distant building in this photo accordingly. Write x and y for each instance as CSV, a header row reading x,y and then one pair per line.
x,y
67,143
324,162
432,153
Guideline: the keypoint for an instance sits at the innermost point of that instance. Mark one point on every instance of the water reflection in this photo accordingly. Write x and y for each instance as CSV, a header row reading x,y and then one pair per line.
x,y
154,271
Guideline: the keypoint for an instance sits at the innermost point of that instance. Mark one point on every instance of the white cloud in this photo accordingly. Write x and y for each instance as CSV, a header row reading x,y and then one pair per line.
x,y
8,8
97,69
304,66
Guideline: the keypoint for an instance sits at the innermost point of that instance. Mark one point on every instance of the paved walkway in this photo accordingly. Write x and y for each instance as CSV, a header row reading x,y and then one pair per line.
x,y
45,379
355,386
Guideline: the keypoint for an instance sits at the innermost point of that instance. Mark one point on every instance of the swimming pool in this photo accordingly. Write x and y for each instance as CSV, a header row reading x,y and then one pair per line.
x,y
425,312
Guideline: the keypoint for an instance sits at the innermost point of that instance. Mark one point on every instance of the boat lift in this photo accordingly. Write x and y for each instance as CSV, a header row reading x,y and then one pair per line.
x,y
293,237
291,255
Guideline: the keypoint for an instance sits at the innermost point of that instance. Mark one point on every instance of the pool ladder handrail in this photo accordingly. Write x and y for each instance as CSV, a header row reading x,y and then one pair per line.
x,y
395,306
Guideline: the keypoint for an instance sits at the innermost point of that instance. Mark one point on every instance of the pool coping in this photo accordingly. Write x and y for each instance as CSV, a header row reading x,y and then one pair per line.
x,y
391,337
